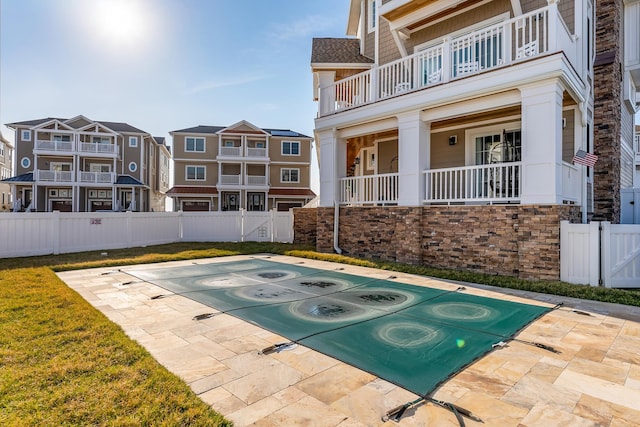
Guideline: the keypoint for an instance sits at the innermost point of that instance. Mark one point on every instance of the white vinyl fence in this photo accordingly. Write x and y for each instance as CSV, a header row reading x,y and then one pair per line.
x,y
600,254
33,233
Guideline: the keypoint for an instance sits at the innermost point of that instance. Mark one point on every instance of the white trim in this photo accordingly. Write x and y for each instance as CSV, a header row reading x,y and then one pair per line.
x,y
24,132
372,18
26,160
133,144
132,167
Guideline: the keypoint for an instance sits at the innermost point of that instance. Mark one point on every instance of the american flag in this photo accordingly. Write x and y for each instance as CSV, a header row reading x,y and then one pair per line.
x,y
584,158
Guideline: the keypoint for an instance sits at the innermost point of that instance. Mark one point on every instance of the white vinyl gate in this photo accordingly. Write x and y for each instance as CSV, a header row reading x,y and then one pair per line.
x,y
600,254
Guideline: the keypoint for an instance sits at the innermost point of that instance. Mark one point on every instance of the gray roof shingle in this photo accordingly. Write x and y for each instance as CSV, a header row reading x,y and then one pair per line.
x,y
337,50
215,129
115,126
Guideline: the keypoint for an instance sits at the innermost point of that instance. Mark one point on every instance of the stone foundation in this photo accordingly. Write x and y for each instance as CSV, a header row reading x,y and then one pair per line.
x,y
304,226
511,240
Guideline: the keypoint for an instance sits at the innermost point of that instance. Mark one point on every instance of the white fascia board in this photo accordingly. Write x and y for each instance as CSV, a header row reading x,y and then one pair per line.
x,y
353,21
368,128
329,66
497,81
52,121
432,9
241,123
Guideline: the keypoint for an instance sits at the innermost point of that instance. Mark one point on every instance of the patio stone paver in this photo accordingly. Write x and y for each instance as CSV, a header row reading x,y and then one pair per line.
x,y
594,381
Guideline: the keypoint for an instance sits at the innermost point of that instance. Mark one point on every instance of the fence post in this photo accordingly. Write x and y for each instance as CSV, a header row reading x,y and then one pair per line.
x,y
594,253
605,254
242,219
272,224
55,223
180,226
128,215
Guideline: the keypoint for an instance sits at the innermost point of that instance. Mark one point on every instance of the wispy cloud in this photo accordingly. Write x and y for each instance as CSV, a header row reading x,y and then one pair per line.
x,y
227,82
302,28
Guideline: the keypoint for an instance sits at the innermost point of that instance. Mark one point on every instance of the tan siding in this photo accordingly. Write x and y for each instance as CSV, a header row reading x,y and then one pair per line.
x,y
274,176
180,168
444,155
275,151
388,50
210,147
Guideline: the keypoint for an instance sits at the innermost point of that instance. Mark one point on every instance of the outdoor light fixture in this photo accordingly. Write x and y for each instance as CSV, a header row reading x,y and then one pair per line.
x,y
357,161
453,139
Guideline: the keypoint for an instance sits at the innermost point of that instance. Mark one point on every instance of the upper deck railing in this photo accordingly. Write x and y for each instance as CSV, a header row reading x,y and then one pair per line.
x,y
524,37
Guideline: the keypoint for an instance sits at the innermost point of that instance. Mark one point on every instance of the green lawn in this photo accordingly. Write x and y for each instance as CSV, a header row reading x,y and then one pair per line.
x,y
63,363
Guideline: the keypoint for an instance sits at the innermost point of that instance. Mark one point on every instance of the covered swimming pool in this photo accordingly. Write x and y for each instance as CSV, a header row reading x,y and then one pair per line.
x,y
413,336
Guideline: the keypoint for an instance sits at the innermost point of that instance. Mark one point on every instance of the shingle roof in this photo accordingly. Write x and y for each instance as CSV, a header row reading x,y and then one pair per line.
x,y
115,126
27,177
201,129
216,129
291,192
160,140
192,190
337,50
128,180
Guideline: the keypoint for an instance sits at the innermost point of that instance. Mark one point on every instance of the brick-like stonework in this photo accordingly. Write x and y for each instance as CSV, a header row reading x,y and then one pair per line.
x,y
607,110
511,240
304,226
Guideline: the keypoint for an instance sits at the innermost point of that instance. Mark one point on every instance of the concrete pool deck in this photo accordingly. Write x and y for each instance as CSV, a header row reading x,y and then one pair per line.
x,y
594,381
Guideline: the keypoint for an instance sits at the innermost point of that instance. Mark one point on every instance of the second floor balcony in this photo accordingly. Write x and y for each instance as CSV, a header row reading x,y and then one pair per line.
x,y
73,147
82,177
243,151
516,40
237,180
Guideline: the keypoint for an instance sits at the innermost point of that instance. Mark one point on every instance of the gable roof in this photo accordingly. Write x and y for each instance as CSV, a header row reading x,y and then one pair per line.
x,y
337,51
114,126
215,129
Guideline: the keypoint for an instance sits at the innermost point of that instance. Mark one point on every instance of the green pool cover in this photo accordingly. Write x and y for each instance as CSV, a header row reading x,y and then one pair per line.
x,y
415,337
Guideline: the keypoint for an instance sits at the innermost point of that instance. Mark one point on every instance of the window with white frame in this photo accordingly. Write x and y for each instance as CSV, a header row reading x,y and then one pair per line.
x,y
290,175
101,140
133,166
371,19
194,144
63,138
133,141
26,135
195,173
290,148
99,167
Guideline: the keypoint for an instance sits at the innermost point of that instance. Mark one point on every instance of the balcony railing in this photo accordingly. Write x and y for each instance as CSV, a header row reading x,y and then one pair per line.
x,y
483,183
523,37
256,152
97,177
92,147
58,146
370,189
231,151
53,176
230,179
240,152
256,180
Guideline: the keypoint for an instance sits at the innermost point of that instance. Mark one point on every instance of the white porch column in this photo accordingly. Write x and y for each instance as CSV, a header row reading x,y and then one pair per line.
x,y
542,143
414,149
333,165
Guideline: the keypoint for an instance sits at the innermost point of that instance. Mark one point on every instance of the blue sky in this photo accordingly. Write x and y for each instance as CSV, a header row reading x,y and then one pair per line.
x,y
163,65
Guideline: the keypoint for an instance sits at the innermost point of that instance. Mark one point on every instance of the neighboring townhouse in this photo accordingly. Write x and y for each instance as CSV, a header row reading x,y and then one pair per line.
x,y
82,165
453,126
6,167
218,168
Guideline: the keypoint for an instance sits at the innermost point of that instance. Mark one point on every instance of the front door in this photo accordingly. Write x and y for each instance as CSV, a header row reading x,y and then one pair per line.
x,y
230,201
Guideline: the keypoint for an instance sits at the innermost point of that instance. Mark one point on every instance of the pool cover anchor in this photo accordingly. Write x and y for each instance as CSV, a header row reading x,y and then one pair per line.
x,y
277,348
396,413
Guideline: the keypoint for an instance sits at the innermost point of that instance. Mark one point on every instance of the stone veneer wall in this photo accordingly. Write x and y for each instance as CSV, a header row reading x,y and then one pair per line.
x,y
304,226
511,240
607,110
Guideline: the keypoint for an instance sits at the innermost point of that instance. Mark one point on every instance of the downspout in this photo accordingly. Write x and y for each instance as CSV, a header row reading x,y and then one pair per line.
x,y
336,226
